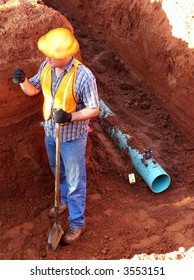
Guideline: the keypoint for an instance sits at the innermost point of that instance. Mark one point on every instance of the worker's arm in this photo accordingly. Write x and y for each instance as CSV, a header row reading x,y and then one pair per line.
x,y
90,99
61,116
19,77
85,114
28,88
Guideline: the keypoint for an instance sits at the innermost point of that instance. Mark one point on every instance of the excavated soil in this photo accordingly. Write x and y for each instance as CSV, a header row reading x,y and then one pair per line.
x,y
124,220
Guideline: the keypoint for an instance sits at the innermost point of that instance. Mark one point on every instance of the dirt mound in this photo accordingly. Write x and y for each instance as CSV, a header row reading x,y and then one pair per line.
x,y
123,220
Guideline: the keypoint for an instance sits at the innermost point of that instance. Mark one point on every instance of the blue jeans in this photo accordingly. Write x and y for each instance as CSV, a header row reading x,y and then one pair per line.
x,y
72,176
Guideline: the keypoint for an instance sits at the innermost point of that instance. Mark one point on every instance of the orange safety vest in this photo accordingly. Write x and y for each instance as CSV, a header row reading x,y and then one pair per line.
x,y
65,97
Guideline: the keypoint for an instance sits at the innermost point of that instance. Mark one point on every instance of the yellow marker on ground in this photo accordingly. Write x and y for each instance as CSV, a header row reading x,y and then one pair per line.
x,y
132,178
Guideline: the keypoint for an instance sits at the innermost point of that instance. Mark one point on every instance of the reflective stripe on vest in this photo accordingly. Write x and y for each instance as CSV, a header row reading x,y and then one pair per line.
x,y
65,97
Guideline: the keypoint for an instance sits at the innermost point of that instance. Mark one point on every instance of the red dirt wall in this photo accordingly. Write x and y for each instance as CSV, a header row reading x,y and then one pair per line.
x,y
155,39
22,23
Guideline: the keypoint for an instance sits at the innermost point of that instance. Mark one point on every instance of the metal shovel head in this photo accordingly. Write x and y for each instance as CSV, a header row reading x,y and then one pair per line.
x,y
55,236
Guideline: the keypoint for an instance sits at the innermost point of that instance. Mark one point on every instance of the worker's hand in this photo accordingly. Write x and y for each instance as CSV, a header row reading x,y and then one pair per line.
x,y
18,75
61,116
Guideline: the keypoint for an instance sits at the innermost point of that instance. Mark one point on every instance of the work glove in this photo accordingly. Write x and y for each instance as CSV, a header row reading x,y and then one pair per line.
x,y
18,75
61,116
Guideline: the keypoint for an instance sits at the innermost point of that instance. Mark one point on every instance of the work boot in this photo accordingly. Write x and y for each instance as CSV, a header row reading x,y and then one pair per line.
x,y
62,208
73,235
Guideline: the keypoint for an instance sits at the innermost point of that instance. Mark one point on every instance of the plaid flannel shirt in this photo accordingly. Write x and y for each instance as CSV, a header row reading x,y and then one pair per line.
x,y
86,97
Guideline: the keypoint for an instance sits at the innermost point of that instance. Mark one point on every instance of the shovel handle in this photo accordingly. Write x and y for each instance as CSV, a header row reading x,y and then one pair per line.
x,y
57,168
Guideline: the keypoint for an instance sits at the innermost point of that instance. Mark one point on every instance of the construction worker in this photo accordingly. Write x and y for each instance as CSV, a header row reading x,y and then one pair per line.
x,y
70,99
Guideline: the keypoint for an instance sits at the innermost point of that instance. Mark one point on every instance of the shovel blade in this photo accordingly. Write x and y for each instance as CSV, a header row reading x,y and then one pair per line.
x,y
55,236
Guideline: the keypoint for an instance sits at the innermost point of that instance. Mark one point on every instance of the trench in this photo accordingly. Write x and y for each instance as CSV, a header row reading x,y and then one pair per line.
x,y
131,217
157,49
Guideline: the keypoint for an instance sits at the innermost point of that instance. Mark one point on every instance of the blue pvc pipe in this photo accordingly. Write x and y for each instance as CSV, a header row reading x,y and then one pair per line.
x,y
148,169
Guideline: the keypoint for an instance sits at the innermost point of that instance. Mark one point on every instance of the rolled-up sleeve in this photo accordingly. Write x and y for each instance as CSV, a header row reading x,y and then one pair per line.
x,y
90,93
86,88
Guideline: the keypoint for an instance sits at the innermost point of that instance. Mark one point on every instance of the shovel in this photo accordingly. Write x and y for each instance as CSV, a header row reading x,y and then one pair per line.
x,y
56,231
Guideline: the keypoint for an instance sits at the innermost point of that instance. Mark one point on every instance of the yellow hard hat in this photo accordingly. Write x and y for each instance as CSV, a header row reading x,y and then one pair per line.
x,y
58,43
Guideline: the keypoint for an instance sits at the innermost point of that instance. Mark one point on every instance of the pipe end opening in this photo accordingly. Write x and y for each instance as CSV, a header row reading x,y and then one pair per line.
x,y
161,183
